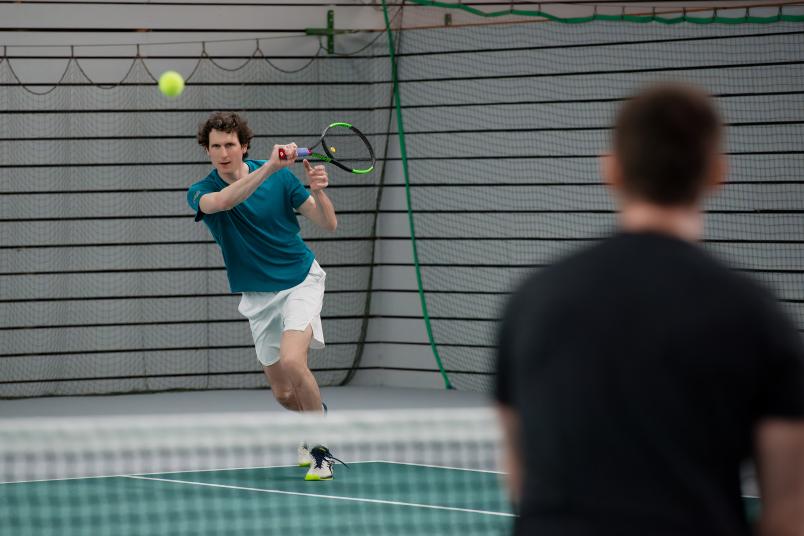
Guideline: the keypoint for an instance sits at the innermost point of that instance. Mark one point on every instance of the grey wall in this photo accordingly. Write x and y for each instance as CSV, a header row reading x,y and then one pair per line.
x,y
503,147
534,177
103,275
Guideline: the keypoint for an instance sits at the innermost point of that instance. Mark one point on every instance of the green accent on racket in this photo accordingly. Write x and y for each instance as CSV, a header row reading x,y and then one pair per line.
x,y
344,146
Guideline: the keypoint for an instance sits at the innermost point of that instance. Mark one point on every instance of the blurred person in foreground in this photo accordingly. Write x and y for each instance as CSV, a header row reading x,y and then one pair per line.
x,y
635,377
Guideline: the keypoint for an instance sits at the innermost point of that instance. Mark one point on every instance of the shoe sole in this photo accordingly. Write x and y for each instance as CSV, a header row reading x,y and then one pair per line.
x,y
316,477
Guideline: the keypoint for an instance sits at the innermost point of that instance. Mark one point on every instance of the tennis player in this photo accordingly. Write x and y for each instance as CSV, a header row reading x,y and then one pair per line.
x,y
248,207
635,377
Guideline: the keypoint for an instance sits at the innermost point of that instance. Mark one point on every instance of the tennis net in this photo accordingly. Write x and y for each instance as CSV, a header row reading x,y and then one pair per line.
x,y
409,472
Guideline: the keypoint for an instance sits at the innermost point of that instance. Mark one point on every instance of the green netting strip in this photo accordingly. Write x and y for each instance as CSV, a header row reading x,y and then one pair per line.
x,y
403,151
653,17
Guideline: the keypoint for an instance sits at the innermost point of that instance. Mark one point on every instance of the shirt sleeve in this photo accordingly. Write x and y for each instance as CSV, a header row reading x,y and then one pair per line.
x,y
784,371
196,192
297,194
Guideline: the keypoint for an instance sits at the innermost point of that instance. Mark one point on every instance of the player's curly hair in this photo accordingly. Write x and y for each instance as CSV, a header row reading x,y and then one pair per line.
x,y
225,122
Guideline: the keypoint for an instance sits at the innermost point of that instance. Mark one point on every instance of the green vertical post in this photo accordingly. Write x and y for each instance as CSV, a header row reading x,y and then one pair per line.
x,y
404,153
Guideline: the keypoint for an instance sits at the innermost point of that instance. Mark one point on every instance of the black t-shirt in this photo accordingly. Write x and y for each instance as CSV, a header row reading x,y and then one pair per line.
x,y
639,368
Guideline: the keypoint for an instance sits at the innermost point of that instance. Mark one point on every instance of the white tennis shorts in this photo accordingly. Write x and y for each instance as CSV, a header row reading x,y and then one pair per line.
x,y
272,313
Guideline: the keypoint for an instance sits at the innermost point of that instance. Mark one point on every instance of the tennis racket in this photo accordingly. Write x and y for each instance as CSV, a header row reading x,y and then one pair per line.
x,y
344,146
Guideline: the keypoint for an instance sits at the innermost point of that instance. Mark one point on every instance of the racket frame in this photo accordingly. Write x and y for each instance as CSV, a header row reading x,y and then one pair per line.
x,y
305,152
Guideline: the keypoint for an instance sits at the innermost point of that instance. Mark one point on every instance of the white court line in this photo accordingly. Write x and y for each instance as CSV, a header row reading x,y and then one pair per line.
x,y
157,473
61,479
335,497
437,466
236,469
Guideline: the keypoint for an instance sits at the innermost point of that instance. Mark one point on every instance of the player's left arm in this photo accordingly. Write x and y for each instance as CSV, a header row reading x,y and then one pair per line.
x,y
512,457
318,208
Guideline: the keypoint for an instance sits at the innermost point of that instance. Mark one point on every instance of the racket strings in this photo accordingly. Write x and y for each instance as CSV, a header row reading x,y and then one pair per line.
x,y
348,148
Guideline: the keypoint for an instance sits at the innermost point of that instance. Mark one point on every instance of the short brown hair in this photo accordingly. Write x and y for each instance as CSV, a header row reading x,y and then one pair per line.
x,y
666,138
225,122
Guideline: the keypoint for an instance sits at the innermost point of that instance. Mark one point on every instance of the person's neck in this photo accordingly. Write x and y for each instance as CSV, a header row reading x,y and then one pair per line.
x,y
235,175
684,222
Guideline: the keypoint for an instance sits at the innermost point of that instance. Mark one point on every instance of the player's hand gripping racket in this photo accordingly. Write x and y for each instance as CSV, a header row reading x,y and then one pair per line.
x,y
344,146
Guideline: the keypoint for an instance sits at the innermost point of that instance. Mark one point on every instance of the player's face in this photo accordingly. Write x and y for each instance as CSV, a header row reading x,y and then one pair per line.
x,y
225,151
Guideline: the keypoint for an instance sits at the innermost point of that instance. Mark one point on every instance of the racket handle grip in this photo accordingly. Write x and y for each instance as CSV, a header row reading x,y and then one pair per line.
x,y
300,152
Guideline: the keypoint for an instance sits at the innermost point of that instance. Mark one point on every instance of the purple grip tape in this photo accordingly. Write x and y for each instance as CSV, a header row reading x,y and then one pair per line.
x,y
299,153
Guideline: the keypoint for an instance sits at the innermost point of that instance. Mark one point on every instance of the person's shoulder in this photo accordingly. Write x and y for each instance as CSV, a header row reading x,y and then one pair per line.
x,y
754,295
254,164
289,179
584,264
722,274
282,174
208,181
580,258
719,275
537,287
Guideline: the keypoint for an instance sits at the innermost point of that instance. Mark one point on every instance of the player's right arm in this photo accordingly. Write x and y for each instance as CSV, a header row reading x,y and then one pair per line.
x,y
779,432
780,460
240,190
512,456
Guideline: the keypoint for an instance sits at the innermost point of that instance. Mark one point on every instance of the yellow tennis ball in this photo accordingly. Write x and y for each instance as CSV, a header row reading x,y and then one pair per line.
x,y
332,149
171,84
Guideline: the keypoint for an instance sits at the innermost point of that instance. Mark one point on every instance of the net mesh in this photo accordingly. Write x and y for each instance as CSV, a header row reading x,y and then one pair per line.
x,y
411,472
503,125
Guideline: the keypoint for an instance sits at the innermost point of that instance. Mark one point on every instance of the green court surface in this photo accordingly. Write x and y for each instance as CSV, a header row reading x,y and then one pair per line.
x,y
366,498
376,498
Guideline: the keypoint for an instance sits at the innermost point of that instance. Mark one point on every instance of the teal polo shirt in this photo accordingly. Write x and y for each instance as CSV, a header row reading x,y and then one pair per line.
x,y
259,238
